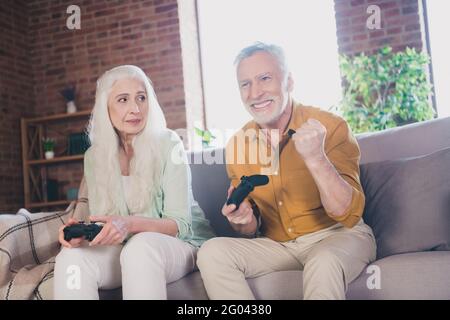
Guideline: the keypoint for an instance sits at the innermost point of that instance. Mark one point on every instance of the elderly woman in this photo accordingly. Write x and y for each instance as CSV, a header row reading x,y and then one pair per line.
x,y
139,187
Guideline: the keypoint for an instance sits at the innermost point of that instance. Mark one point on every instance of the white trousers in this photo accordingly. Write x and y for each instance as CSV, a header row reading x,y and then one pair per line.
x,y
143,267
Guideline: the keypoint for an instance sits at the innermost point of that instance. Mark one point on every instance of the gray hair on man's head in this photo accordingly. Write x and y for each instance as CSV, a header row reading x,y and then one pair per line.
x,y
274,50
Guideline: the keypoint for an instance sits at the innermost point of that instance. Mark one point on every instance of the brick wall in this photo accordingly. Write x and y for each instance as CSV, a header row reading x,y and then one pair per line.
x,y
400,25
43,56
15,99
144,33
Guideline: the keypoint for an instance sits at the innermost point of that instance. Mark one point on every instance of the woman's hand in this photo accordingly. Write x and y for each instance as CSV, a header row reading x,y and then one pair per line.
x,y
115,230
73,243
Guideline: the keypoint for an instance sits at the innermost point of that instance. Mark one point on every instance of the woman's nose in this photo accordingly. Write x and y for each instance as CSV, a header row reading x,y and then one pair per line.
x,y
135,108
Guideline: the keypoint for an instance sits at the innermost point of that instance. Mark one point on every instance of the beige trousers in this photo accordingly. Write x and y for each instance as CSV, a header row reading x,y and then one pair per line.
x,y
330,259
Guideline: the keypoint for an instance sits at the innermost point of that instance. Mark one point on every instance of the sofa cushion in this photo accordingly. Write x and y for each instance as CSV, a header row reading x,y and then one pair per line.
x,y
209,186
412,140
408,203
418,275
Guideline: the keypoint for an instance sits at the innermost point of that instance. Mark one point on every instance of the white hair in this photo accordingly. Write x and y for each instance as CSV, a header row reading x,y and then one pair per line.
x,y
275,51
106,196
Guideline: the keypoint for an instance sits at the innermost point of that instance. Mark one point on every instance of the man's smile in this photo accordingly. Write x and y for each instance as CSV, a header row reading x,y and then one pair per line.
x,y
262,105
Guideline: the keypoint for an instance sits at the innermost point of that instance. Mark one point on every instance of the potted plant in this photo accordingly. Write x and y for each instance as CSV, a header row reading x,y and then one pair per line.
x,y
385,89
49,146
205,135
69,95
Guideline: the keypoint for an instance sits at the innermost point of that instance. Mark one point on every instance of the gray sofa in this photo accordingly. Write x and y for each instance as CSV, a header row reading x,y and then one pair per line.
x,y
417,269
405,173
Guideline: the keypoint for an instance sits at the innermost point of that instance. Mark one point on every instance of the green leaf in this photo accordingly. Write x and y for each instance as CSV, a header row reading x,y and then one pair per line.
x,y
385,89
198,131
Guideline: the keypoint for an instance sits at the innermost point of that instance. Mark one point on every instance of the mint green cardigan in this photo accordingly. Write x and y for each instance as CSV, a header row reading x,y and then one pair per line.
x,y
173,199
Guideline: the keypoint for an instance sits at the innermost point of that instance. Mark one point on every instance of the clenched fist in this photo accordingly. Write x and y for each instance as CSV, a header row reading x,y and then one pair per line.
x,y
309,140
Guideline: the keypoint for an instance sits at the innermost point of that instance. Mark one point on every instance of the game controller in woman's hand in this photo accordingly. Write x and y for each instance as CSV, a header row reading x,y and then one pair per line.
x,y
87,231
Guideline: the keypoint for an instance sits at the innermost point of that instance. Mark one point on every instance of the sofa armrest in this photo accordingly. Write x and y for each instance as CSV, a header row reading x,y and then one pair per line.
x,y
28,239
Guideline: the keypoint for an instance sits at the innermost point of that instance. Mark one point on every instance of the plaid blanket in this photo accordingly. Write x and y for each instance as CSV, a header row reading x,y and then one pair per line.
x,y
28,246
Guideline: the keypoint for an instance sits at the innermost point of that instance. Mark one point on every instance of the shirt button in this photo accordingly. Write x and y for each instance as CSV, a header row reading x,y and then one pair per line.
x,y
280,203
290,230
276,173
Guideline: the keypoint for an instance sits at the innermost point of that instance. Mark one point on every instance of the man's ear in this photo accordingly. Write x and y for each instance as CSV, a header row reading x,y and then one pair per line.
x,y
290,83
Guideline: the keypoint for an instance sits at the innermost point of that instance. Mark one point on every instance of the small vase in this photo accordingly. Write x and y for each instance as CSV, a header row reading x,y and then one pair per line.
x,y
49,155
71,107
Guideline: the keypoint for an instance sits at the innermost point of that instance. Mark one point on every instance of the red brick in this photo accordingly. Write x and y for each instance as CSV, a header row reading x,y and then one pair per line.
x,y
412,27
410,10
359,37
395,30
355,3
166,8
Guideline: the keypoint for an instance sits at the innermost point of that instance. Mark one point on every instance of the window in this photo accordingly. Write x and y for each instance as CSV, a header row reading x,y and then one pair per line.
x,y
305,29
438,27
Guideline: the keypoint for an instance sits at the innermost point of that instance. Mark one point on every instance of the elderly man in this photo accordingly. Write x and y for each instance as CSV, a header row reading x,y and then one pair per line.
x,y
308,217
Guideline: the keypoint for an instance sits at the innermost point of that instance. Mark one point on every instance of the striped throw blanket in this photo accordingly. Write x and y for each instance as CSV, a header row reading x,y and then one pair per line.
x,y
28,246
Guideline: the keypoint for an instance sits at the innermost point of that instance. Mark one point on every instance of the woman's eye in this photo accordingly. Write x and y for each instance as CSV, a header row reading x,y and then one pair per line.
x,y
141,98
266,78
122,100
244,85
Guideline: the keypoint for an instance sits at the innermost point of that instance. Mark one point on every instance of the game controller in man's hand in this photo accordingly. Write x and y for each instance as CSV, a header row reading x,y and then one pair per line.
x,y
88,231
248,183
291,132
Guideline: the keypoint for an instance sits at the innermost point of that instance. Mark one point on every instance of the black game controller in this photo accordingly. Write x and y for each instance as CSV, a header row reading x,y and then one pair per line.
x,y
88,231
291,132
245,187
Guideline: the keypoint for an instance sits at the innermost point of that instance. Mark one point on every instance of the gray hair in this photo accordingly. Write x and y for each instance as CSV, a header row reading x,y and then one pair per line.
x,y
274,50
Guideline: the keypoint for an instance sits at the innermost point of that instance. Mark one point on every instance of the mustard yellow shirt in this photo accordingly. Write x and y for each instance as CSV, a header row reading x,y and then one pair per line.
x,y
290,203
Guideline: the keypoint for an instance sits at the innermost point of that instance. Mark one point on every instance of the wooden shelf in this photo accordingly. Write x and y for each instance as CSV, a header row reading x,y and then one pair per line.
x,y
34,166
56,160
62,116
49,204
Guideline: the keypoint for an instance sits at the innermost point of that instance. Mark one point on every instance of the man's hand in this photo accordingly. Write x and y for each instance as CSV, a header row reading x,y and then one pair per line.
x,y
242,216
309,140
114,231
